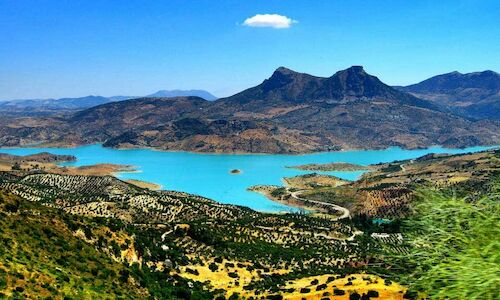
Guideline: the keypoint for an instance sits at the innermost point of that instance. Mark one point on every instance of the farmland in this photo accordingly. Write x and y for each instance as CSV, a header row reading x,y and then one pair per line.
x,y
198,247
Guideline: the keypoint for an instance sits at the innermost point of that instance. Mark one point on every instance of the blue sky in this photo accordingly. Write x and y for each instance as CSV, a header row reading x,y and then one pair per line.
x,y
75,48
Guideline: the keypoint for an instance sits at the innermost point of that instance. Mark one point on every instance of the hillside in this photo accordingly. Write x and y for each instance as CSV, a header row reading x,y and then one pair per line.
x,y
288,113
49,254
139,243
437,216
173,237
475,94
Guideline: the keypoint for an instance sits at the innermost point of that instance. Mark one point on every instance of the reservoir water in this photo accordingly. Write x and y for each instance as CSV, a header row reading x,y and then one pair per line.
x,y
209,174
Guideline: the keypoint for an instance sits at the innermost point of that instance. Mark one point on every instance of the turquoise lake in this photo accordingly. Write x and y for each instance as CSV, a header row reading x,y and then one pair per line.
x,y
208,174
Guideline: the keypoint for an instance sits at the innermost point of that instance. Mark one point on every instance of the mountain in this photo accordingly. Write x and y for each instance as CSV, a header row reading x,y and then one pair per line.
x,y
109,120
287,87
289,112
178,123
183,93
40,106
475,95
33,107
344,86
353,109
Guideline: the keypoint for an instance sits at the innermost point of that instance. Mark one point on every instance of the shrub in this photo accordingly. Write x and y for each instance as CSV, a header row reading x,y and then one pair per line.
x,y
191,271
213,267
3,282
464,240
12,207
354,296
338,292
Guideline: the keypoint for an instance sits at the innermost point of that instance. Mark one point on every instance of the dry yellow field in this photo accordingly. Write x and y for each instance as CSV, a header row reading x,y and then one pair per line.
x,y
232,276
360,283
224,278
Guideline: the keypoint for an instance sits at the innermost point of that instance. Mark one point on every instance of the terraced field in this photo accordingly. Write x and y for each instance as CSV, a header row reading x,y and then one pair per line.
x,y
186,235
386,192
178,245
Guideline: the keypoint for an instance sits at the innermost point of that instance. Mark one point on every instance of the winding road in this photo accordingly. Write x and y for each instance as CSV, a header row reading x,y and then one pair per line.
x,y
345,214
345,211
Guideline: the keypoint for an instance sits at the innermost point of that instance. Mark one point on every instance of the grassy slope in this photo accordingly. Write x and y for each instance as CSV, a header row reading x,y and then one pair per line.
x,y
41,258
456,251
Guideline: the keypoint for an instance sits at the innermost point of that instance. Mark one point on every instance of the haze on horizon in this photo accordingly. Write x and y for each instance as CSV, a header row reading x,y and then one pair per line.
x,y
53,49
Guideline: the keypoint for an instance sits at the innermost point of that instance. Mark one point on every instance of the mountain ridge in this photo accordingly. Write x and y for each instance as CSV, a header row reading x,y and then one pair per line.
x,y
351,84
289,112
455,79
32,106
474,95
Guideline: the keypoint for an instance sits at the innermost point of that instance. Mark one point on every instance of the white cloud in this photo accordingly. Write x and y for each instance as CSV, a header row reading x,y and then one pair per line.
x,y
269,20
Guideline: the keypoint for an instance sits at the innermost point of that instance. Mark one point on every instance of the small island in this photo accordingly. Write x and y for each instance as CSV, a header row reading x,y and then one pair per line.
x,y
235,171
338,166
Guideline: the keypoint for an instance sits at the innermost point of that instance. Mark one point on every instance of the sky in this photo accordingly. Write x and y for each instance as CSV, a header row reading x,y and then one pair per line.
x,y
53,49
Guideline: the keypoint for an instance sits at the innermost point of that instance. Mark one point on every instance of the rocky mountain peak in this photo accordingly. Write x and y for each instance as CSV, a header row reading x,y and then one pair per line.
x,y
355,70
284,71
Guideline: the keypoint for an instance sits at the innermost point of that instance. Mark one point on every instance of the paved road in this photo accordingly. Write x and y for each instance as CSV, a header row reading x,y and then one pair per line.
x,y
345,211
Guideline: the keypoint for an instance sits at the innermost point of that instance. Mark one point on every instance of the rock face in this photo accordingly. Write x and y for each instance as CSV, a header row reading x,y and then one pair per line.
x,y
290,112
475,95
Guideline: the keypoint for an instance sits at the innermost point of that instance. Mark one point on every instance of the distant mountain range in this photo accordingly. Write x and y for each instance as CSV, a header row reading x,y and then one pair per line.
x,y
475,95
44,106
289,112
184,93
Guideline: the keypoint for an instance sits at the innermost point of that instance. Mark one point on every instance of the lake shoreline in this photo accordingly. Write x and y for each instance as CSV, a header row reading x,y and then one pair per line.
x,y
353,149
209,175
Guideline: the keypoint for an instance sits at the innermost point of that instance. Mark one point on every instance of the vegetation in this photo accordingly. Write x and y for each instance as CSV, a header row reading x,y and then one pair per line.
x,y
430,224
455,251
40,256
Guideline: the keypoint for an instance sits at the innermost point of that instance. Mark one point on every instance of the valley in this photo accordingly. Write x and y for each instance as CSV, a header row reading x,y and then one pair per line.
x,y
168,243
157,224
202,174
249,150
